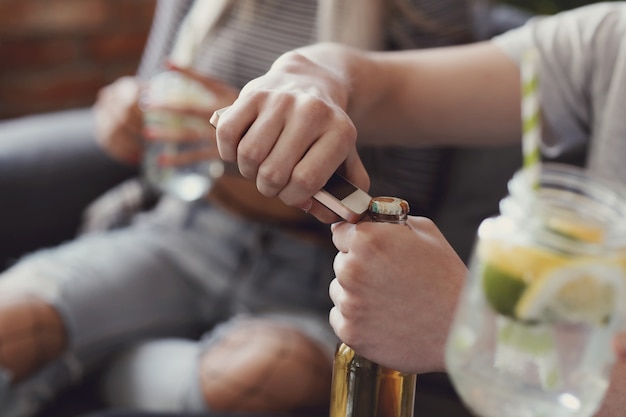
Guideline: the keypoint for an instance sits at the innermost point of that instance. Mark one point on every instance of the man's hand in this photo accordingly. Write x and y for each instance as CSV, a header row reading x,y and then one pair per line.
x,y
288,131
395,292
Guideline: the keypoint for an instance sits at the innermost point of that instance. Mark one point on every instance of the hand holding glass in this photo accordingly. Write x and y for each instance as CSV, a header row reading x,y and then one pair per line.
x,y
180,158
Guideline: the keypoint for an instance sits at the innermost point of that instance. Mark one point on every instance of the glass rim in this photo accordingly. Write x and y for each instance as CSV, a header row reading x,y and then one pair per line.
x,y
584,195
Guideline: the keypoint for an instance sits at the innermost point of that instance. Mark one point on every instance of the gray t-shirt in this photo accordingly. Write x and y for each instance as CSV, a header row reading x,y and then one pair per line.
x,y
583,81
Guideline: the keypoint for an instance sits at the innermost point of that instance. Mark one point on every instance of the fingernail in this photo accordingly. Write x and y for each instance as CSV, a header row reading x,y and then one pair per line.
x,y
306,207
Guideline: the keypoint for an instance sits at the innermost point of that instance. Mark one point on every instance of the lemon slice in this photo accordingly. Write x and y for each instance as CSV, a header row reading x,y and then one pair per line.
x,y
526,263
587,292
576,229
509,269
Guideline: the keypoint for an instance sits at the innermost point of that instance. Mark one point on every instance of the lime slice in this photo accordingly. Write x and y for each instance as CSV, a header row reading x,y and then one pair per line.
x,y
508,270
526,263
502,290
579,292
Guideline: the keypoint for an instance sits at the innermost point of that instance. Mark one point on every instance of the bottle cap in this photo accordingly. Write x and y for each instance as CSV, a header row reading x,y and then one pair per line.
x,y
388,208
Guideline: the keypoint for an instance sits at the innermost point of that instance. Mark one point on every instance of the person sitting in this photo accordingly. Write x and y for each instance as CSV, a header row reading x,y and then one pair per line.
x,y
221,304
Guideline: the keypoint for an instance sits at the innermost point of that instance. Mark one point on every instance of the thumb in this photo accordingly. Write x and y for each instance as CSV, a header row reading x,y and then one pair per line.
x,y
354,170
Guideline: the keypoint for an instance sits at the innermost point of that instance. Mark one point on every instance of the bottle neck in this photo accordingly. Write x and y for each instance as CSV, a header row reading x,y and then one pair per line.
x,y
388,218
388,210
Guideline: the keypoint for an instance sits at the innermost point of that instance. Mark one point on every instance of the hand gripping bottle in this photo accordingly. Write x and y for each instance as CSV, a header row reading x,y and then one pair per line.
x,y
360,387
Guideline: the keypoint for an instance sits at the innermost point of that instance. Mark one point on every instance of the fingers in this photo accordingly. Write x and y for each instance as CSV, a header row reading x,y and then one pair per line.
x,y
336,319
225,93
229,130
288,131
202,113
288,155
347,314
356,172
118,120
181,158
312,165
340,235
126,147
255,146
133,120
169,130
321,213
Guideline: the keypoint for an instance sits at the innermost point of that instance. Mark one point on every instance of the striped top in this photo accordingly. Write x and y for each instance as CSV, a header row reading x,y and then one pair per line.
x,y
244,46
255,33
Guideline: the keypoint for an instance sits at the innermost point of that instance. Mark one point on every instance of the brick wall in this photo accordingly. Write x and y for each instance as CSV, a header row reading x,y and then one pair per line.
x,y
56,54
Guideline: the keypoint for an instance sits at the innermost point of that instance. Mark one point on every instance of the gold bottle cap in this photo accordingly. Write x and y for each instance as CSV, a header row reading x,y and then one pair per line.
x,y
388,208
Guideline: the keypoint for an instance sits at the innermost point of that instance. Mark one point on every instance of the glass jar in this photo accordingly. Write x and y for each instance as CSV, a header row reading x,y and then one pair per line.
x,y
360,387
543,300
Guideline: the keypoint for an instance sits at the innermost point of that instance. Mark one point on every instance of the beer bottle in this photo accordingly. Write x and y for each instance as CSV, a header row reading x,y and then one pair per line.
x,y
360,387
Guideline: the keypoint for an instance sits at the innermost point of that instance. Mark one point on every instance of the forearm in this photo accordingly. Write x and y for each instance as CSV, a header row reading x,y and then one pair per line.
x,y
292,127
466,95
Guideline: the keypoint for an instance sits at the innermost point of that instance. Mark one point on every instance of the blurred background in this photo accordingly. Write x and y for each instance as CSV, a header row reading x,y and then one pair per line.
x,y
548,6
56,54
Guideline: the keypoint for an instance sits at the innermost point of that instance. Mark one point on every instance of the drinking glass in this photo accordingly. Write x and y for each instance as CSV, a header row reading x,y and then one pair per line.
x,y
543,300
168,103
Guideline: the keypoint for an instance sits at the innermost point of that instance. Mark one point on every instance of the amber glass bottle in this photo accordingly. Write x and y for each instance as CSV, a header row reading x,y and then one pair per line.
x,y
360,387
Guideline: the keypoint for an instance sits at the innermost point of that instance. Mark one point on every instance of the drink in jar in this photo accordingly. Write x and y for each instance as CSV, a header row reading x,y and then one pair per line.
x,y
543,300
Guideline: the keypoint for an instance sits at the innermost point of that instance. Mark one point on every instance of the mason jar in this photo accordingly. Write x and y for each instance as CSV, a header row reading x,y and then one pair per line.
x,y
544,298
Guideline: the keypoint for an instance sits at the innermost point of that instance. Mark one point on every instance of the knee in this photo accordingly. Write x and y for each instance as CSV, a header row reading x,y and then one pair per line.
x,y
31,334
264,367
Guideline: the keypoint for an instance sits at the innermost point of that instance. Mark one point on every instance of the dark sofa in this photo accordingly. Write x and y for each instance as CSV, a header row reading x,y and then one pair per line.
x,y
50,170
